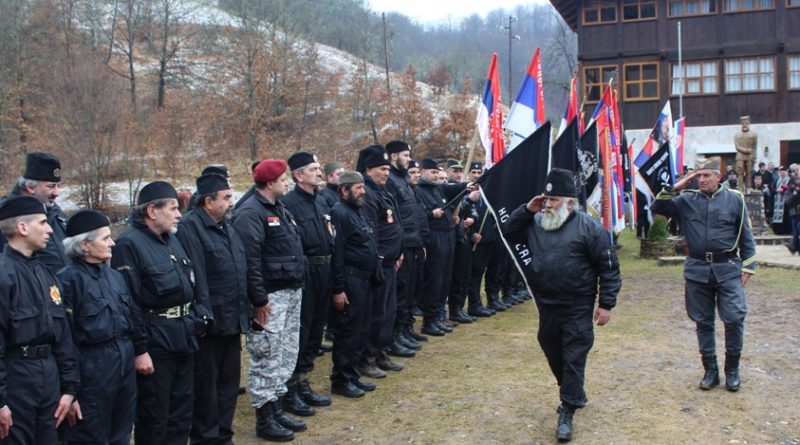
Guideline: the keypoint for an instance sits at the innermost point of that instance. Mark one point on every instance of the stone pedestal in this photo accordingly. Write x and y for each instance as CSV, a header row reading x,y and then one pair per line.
x,y
755,208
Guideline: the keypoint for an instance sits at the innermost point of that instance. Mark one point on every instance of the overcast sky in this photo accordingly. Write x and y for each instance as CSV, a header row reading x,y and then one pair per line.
x,y
438,11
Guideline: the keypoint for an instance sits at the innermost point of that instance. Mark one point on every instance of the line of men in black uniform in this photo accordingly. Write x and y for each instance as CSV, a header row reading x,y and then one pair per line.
x,y
151,335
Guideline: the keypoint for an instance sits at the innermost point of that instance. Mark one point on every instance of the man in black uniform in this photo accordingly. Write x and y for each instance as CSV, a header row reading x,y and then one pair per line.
x,y
413,252
439,261
462,254
217,254
562,238
42,180
166,315
416,274
488,248
38,361
316,233
330,193
355,261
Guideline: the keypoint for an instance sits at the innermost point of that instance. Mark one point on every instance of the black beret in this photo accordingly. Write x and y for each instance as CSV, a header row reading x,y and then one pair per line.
x,y
428,164
85,221
216,168
156,190
454,163
413,164
20,205
301,159
475,165
560,182
211,183
42,167
397,147
376,159
362,156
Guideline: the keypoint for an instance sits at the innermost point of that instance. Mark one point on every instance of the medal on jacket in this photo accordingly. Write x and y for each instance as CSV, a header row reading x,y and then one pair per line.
x,y
389,218
273,221
55,294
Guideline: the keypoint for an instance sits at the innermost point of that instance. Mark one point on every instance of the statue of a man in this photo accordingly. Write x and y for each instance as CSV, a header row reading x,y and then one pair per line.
x,y
746,142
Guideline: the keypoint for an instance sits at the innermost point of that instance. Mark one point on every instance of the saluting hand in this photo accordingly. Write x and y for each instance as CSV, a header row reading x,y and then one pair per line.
x,y
535,205
683,183
64,404
5,421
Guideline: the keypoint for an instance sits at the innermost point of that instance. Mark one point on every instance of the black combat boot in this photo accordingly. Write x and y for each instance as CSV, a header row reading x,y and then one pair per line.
x,y
310,396
385,363
295,404
430,327
711,377
295,425
564,429
413,335
268,428
397,349
400,337
732,372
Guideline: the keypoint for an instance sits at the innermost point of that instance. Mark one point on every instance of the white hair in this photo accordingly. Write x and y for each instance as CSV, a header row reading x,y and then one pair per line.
x,y
553,221
73,245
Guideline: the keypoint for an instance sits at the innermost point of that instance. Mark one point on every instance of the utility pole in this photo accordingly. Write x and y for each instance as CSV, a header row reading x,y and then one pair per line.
x,y
386,59
511,38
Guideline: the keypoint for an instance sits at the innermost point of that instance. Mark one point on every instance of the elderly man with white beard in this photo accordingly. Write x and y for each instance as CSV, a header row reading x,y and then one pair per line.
x,y
572,262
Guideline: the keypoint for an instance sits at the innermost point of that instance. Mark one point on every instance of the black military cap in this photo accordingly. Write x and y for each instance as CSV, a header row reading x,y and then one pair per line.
x,y
455,164
364,153
211,183
41,166
347,178
301,159
216,168
85,221
20,205
428,164
476,165
413,164
397,147
560,182
376,159
156,190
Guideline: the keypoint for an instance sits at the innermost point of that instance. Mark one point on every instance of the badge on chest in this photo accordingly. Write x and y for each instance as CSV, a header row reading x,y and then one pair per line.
x,y
273,221
389,216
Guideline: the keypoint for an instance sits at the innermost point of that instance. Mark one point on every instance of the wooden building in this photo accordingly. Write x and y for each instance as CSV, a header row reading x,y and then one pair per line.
x,y
740,57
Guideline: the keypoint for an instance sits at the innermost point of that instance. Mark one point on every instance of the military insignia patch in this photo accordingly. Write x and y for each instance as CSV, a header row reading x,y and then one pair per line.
x,y
549,187
55,294
273,221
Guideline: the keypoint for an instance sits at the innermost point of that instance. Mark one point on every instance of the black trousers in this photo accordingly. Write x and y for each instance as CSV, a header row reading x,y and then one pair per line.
x,y
484,252
495,271
32,393
566,335
107,395
313,312
438,272
164,405
409,283
384,311
459,285
352,327
217,372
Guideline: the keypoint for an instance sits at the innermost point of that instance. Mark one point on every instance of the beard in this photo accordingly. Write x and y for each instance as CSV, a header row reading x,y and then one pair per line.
x,y
357,202
554,219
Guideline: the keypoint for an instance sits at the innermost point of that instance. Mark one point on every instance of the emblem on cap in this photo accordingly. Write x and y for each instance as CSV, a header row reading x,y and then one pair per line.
x,y
57,173
549,187
385,156
316,159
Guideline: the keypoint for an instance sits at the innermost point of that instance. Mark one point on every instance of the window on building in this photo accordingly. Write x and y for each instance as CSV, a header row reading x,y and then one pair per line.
x,y
794,72
679,8
599,11
698,78
638,10
747,5
791,3
752,74
641,81
594,80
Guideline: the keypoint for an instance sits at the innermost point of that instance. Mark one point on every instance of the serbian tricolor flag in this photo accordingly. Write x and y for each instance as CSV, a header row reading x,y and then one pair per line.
x,y
571,112
527,111
660,135
677,147
490,117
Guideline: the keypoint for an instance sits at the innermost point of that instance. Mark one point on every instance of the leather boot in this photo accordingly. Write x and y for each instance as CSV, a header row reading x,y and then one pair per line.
x,y
443,326
310,396
478,311
368,369
564,429
268,428
432,328
412,334
711,377
295,425
406,341
496,305
386,364
295,404
398,350
732,372
458,316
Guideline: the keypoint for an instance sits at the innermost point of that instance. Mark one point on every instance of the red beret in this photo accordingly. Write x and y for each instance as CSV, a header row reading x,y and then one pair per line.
x,y
269,170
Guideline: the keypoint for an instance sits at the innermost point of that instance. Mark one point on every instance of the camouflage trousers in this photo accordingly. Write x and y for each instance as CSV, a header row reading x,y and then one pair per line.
x,y
273,351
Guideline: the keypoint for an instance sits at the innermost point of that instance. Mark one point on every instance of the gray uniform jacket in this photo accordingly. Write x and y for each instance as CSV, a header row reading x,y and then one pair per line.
x,y
715,225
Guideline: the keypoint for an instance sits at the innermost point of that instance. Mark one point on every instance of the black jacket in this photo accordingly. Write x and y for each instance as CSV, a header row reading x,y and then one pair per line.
x,y
220,266
313,221
330,196
489,232
159,276
272,246
98,301
435,196
381,211
356,243
407,207
568,265
32,313
53,255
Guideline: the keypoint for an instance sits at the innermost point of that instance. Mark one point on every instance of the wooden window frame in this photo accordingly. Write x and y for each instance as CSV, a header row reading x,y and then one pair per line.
x,y
774,75
639,5
599,9
737,11
601,84
641,82
702,78
792,6
700,14
789,72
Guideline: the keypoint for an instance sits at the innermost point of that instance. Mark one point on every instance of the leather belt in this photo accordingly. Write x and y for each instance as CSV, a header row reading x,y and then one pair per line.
x,y
358,273
170,312
319,260
30,351
714,257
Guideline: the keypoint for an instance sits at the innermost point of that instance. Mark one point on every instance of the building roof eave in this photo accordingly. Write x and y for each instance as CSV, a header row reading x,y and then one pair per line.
x,y
568,9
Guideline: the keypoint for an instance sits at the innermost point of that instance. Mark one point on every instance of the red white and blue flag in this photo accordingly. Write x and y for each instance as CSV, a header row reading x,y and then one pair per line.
x,y
490,117
571,112
677,147
527,110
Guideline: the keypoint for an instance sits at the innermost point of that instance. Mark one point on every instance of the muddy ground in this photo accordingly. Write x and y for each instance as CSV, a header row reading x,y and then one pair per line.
x,y
488,382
